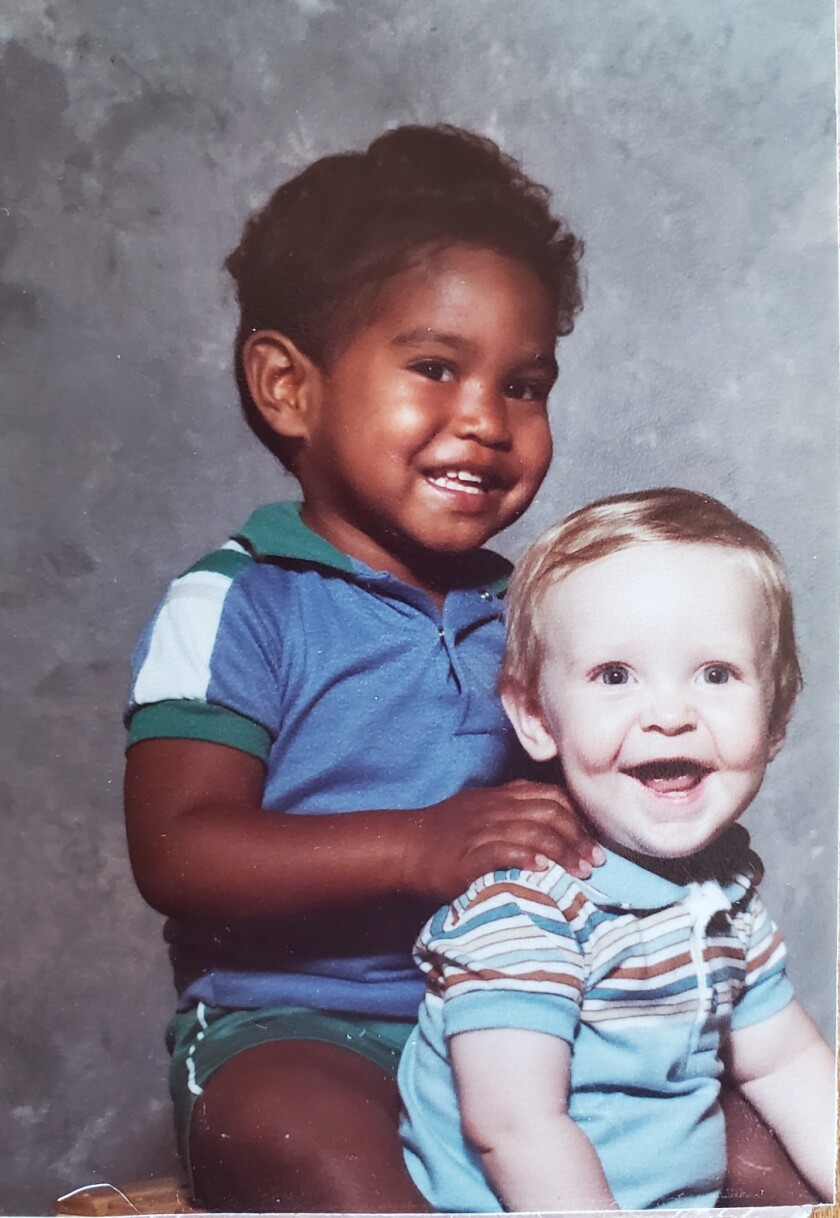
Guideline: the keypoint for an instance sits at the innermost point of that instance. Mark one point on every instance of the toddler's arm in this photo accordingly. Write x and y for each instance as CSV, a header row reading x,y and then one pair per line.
x,y
786,1071
202,846
513,1089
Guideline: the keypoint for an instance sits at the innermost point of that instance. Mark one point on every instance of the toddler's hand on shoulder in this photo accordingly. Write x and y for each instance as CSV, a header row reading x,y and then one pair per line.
x,y
523,824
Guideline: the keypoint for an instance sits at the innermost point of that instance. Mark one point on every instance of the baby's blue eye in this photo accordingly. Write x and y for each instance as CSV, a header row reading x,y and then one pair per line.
x,y
614,674
716,674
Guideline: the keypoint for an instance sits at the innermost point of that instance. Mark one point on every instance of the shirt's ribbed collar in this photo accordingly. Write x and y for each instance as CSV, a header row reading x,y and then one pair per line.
x,y
627,885
277,531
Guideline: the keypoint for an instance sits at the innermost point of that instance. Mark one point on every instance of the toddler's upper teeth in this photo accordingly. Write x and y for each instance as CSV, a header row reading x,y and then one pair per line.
x,y
466,479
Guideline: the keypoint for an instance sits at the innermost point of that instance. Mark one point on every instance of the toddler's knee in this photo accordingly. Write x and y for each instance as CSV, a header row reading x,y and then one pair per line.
x,y
281,1127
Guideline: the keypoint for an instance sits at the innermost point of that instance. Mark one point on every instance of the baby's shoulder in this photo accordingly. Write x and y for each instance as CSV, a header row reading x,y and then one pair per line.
x,y
550,895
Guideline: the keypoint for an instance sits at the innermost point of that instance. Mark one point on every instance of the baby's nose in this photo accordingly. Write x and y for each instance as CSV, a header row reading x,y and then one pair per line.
x,y
668,712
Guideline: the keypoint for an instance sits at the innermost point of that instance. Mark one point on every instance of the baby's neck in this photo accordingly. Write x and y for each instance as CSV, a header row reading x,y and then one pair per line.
x,y
713,862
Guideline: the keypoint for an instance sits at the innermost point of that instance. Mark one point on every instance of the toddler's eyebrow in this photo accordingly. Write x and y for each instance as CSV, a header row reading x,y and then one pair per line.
x,y
411,338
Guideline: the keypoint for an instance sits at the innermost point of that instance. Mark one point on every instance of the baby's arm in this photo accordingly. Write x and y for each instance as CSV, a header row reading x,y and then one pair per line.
x,y
202,846
786,1071
513,1090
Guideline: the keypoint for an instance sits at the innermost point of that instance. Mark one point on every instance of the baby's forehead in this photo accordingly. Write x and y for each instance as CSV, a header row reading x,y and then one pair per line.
x,y
637,580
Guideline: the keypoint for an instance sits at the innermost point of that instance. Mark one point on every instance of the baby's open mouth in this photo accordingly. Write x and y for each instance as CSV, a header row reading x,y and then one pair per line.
x,y
667,776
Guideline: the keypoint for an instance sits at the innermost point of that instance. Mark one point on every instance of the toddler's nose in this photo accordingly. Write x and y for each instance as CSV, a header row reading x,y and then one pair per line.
x,y
483,416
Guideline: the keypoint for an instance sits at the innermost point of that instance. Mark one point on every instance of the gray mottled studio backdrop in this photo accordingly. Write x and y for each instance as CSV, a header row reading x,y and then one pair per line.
x,y
691,145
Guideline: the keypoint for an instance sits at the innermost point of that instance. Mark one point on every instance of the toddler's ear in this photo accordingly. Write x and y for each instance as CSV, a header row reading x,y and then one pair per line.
x,y
282,380
528,722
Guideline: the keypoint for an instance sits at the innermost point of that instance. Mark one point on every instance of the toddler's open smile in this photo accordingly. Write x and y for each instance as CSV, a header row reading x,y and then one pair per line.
x,y
431,433
467,481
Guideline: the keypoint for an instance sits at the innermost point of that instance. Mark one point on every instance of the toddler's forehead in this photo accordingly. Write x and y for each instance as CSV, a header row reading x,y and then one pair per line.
x,y
422,268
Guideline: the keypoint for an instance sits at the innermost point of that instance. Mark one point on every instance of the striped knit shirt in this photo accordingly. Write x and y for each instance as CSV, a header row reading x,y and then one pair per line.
x,y
645,978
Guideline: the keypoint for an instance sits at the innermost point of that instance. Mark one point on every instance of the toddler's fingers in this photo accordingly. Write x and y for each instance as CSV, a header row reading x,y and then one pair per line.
x,y
570,826
556,828
584,846
505,855
502,856
531,845
570,830
572,848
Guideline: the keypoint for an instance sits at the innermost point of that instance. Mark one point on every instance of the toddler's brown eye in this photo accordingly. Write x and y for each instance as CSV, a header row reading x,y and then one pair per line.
x,y
433,370
527,391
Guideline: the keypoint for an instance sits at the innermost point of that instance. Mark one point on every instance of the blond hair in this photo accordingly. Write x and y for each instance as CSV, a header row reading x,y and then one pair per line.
x,y
612,524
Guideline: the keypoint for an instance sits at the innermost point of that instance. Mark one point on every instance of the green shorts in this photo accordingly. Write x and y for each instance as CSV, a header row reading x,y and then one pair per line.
x,y
204,1038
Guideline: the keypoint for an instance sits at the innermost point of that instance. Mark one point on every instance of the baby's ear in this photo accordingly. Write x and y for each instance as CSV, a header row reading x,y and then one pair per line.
x,y
283,382
529,724
776,741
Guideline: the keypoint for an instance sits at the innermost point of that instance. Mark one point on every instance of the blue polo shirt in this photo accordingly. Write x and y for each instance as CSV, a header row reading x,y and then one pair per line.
x,y
358,693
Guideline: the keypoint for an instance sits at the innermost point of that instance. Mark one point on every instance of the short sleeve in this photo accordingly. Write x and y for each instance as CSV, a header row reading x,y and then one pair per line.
x,y
767,988
505,956
205,668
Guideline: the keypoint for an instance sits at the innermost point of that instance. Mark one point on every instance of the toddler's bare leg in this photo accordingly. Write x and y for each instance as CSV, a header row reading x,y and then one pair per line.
x,y
300,1125
759,1172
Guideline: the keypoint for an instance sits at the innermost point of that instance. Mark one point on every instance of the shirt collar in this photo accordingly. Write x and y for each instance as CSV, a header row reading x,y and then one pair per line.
x,y
621,883
276,530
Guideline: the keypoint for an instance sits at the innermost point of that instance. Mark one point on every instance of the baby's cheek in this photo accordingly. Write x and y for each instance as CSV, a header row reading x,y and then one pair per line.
x,y
599,757
590,735
743,737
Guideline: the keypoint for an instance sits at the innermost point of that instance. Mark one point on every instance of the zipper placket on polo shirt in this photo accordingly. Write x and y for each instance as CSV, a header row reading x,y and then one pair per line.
x,y
446,632
702,903
451,655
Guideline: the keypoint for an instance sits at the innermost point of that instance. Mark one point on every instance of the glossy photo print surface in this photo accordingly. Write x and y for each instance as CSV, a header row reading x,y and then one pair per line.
x,y
403,916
